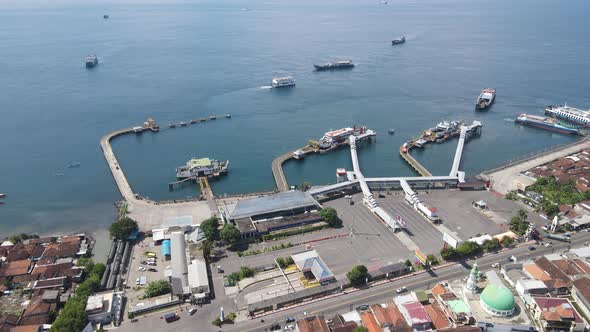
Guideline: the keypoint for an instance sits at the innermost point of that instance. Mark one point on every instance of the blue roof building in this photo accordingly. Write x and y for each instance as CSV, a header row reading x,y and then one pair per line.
x,y
166,248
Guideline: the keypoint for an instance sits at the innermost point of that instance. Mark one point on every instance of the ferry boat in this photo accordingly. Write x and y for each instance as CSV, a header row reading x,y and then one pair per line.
x,y
569,114
279,82
182,124
545,123
198,167
398,41
105,16
2,195
213,117
485,99
343,64
228,116
335,137
91,60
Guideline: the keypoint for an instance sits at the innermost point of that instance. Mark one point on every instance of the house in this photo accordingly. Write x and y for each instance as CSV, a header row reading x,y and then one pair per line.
x,y
312,324
103,308
15,268
416,316
531,286
370,322
437,316
7,322
581,293
556,315
37,312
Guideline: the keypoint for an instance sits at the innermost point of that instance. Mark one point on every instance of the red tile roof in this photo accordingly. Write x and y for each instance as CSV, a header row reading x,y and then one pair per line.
x,y
439,289
15,268
396,317
370,322
556,309
583,287
27,328
439,319
313,324
417,313
381,314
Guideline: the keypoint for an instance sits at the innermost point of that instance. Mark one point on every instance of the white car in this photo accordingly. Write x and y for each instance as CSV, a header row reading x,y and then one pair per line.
x,y
141,268
137,281
401,290
495,265
191,311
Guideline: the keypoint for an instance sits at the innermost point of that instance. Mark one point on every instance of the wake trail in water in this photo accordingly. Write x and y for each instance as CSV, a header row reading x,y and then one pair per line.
x,y
265,87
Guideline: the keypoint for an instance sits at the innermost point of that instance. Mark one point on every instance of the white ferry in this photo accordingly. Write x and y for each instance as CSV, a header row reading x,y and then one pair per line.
x,y
569,114
279,82
202,167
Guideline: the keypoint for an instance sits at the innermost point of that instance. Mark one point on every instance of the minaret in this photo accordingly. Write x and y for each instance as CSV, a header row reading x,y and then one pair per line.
x,y
471,285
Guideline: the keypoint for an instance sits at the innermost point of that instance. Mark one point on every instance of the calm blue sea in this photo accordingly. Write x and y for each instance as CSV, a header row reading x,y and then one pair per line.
x,y
180,60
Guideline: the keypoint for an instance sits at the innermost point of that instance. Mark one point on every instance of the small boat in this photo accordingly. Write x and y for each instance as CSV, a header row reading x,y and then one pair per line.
x,y
383,2
193,121
246,9
203,119
391,131
182,124
59,174
485,99
172,125
73,164
91,61
2,195
228,116
105,16
398,41
213,117
279,82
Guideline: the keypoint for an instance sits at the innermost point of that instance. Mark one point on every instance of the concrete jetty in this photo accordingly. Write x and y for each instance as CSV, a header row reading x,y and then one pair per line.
x,y
404,152
147,213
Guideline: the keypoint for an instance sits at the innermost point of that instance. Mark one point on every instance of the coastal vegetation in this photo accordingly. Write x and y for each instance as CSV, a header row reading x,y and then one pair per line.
x,y
123,228
73,316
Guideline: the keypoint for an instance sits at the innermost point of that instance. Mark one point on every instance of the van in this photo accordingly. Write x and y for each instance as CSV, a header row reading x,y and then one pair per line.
x,y
171,317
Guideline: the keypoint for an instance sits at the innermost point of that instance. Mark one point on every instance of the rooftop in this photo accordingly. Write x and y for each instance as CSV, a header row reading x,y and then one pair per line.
x,y
370,322
272,203
202,162
417,313
556,309
313,324
15,268
583,287
498,298
311,261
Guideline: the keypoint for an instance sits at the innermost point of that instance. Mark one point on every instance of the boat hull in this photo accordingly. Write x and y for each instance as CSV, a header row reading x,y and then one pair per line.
x,y
548,127
326,68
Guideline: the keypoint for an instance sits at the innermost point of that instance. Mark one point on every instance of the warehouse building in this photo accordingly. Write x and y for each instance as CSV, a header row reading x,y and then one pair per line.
x,y
261,215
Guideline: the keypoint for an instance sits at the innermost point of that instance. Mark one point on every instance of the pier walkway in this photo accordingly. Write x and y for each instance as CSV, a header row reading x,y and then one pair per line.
x,y
413,162
277,171
458,152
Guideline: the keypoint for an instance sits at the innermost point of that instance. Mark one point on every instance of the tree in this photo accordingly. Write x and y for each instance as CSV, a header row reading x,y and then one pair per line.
x,y
408,263
551,210
449,253
330,217
523,215
490,245
85,262
246,272
467,248
432,260
157,287
281,262
360,329
358,275
123,228
230,234
507,241
210,228
98,269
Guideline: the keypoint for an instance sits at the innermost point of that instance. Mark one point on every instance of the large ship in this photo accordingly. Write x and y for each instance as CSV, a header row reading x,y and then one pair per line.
x,y
335,138
202,167
91,60
279,82
569,114
545,123
398,41
343,64
485,99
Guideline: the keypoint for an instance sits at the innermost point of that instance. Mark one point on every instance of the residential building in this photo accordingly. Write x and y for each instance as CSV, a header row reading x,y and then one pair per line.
x,y
556,315
370,322
312,324
103,308
581,293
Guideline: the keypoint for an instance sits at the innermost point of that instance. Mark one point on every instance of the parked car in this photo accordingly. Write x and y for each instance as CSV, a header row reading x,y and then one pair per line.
x,y
191,311
531,248
151,269
275,327
290,320
496,265
171,317
363,307
401,290
137,281
141,268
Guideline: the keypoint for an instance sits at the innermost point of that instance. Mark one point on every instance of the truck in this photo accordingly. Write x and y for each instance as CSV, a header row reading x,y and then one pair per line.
x,y
558,237
428,211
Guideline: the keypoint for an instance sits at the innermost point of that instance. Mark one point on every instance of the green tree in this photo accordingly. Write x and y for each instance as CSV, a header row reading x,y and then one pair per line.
x,y
98,269
432,260
357,275
360,329
507,241
123,228
85,262
490,245
210,228
206,246
230,234
246,272
157,287
523,215
330,216
449,253
282,263
551,210
467,248
408,263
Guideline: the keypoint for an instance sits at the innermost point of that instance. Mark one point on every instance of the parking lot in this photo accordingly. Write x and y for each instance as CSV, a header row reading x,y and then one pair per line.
x,y
138,270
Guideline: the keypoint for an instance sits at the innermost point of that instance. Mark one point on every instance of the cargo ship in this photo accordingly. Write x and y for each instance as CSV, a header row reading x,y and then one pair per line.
x,y
199,167
485,99
344,64
279,82
545,123
569,114
91,60
398,41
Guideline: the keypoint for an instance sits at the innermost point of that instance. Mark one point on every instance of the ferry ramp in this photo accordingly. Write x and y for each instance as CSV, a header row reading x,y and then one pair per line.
x,y
458,152
413,162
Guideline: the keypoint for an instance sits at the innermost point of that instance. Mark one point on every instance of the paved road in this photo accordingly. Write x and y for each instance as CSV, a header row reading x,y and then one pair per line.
x,y
346,302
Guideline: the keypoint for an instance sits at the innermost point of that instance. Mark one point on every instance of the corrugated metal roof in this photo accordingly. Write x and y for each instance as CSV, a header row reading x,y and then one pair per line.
x,y
272,203
166,248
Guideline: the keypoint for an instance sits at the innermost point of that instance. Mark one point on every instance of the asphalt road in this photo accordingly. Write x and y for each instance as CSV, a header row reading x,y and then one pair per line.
x,y
347,302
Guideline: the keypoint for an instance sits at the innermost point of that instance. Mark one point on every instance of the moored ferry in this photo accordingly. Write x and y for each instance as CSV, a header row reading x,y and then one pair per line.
x,y
91,60
569,114
202,167
279,82
545,123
